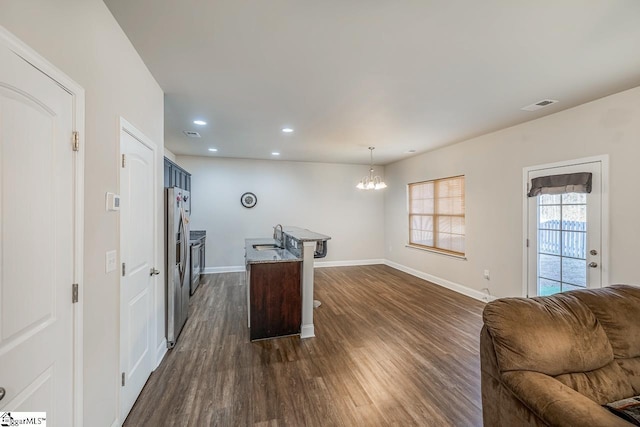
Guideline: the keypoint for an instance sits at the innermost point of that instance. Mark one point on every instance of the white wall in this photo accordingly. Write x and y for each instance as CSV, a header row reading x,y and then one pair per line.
x,y
318,196
82,38
493,167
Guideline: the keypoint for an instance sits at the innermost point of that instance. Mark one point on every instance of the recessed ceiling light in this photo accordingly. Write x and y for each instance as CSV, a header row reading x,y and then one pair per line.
x,y
213,149
199,122
275,153
287,130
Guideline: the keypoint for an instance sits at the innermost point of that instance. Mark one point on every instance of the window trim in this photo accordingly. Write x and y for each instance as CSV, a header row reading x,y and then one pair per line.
x,y
456,255
435,216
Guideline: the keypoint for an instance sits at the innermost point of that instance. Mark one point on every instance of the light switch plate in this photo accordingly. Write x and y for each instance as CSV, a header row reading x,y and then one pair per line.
x,y
111,261
112,202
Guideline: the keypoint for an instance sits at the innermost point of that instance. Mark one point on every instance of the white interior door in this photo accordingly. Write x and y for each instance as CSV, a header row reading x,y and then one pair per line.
x,y
37,213
565,235
137,231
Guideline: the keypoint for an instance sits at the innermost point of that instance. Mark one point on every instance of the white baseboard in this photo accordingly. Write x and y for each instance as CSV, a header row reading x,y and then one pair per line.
x,y
228,269
321,264
160,352
461,289
480,296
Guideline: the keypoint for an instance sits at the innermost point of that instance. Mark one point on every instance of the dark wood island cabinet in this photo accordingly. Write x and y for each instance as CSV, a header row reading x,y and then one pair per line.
x,y
275,299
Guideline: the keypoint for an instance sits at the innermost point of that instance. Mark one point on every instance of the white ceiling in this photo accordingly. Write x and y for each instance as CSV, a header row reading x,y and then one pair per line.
x,y
348,74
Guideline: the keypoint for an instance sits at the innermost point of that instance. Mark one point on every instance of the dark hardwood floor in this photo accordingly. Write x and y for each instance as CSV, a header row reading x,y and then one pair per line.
x,y
390,349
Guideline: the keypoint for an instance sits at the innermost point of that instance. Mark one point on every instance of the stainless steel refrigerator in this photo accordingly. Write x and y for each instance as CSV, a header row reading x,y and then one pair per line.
x,y
177,262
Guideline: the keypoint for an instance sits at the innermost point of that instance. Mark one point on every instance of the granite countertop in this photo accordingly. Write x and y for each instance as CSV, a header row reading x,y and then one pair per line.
x,y
304,235
254,256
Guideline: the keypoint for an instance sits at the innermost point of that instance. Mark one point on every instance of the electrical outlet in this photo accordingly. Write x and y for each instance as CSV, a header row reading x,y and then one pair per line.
x,y
486,274
111,261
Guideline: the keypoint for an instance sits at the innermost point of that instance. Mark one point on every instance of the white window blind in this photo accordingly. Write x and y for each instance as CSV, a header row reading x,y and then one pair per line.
x,y
436,215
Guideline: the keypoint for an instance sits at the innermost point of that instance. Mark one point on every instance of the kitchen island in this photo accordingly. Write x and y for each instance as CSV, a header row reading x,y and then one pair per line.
x,y
274,297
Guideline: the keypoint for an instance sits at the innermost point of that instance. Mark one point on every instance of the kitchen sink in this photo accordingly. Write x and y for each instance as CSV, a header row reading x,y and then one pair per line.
x,y
266,247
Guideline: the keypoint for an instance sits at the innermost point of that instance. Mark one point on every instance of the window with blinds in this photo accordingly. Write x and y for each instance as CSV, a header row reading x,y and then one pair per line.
x,y
436,215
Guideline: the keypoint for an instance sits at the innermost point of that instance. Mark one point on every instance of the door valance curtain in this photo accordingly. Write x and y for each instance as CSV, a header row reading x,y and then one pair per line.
x,y
560,184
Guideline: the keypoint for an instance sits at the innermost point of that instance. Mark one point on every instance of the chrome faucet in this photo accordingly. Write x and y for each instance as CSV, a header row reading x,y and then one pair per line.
x,y
275,235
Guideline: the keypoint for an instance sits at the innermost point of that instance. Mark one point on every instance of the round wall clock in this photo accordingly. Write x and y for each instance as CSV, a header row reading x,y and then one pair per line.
x,y
248,200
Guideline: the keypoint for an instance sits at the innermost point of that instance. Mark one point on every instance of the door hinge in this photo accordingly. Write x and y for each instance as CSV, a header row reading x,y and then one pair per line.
x,y
527,242
74,293
124,269
75,142
124,160
123,379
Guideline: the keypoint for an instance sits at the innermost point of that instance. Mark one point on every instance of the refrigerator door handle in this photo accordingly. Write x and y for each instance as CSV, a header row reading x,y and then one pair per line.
x,y
185,247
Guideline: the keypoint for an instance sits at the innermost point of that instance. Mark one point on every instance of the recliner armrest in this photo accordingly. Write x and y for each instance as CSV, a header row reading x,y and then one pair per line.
x,y
556,404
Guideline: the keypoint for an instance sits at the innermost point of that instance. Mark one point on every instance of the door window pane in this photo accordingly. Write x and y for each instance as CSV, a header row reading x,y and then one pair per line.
x,y
574,271
574,244
549,217
549,267
549,199
549,241
574,217
548,287
574,198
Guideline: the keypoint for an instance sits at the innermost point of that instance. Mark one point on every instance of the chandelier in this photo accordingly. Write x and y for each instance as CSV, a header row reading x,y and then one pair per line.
x,y
371,182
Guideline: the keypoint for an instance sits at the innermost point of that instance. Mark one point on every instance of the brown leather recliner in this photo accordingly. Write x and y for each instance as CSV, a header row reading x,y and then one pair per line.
x,y
553,361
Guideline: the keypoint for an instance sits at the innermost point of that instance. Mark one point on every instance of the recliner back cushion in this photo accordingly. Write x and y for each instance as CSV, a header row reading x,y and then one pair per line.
x,y
617,308
552,335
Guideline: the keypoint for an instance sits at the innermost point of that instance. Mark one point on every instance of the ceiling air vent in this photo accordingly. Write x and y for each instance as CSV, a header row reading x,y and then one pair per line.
x,y
538,105
191,134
